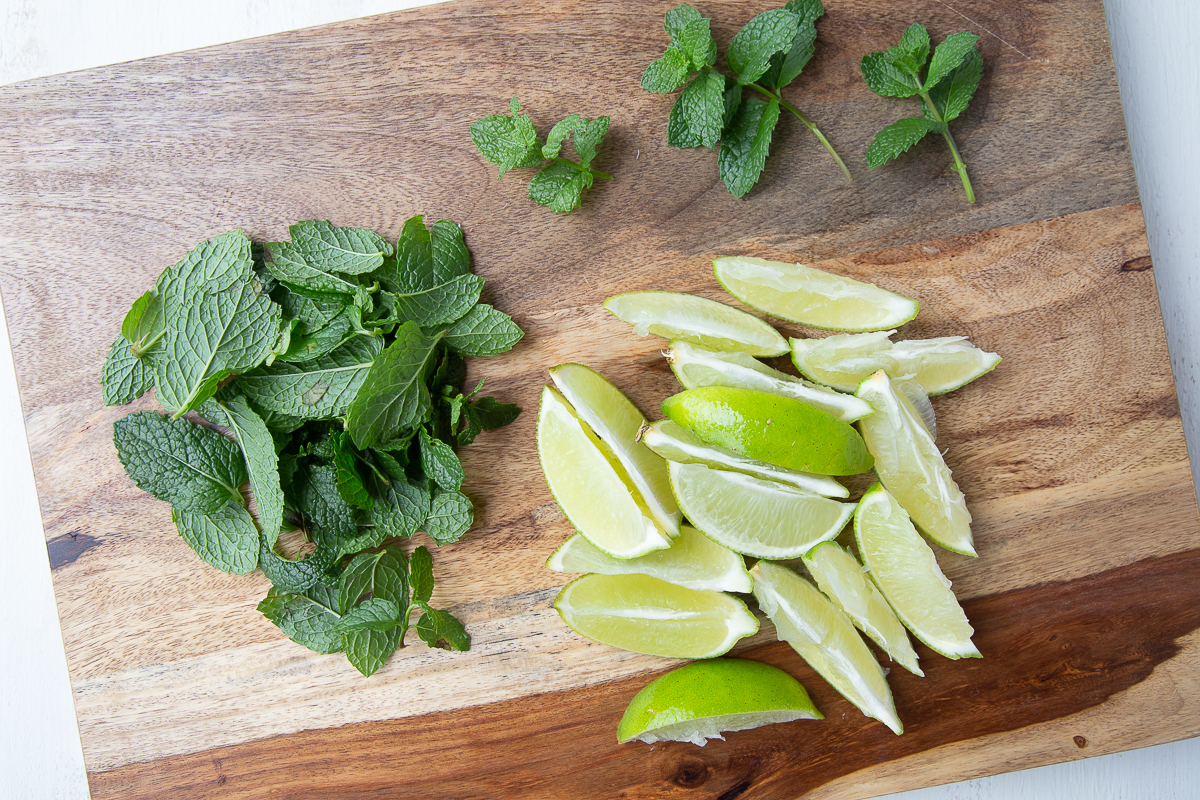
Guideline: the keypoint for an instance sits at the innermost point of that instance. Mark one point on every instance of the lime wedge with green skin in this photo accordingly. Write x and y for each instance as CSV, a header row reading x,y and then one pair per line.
x,y
910,465
699,320
906,571
697,366
702,700
651,616
617,421
844,361
812,297
676,443
591,486
693,561
753,516
767,427
826,639
840,576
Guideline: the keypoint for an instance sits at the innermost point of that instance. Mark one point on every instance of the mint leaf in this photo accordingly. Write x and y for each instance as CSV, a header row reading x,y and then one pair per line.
x,y
678,18
697,116
382,575
912,52
420,571
668,72
559,187
486,414
437,305
426,260
948,56
450,516
299,575
449,252
786,66
746,143
225,538
191,467
509,142
375,614
291,266
349,482
321,502
484,331
316,389
143,325
393,396
588,137
952,95
332,249
323,341
696,41
435,626
258,447
400,509
750,51
886,79
308,618
440,463
897,138
367,650
732,101
561,131
125,377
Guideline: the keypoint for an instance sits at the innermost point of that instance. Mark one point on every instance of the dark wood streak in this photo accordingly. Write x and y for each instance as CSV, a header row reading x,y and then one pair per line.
x,y
67,548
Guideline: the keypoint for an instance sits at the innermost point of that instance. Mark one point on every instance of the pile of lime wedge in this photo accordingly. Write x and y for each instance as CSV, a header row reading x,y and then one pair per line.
x,y
744,469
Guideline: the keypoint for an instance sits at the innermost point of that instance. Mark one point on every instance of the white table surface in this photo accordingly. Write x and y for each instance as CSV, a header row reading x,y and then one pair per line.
x,y
1156,46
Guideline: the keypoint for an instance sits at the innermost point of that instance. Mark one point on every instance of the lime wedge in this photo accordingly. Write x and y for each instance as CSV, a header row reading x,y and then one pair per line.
x,y
702,700
693,561
753,516
590,485
812,297
841,578
616,421
825,638
676,443
767,427
910,465
646,615
696,366
698,320
843,361
907,572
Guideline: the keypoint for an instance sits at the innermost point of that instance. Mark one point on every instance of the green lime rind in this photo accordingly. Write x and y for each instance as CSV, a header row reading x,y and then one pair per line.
x,y
674,315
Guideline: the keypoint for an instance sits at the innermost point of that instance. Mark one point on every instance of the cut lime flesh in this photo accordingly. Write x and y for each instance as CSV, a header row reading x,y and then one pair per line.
x,y
750,515
910,465
693,560
812,297
696,366
826,639
590,485
647,615
673,315
702,700
906,571
841,577
617,421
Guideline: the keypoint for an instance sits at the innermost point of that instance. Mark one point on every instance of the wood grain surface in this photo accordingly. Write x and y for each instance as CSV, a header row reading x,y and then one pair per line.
x,y
1071,453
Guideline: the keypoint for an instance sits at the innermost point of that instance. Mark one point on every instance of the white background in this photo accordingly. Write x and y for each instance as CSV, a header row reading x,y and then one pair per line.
x,y
1156,45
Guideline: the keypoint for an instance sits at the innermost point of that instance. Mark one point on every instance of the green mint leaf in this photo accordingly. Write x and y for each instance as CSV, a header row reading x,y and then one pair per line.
x,y
559,134
912,52
668,72
347,250
319,499
732,100
367,650
440,463
317,389
225,538
508,141
750,50
450,516
307,619
886,79
678,18
450,373
696,41
382,575
456,409
746,143
437,305
291,266
484,331
425,260
948,56
144,324
420,570
349,482
258,447
588,137
435,626
559,187
375,614
697,115
450,255
394,396
400,509
809,11
323,341
897,138
125,377
786,66
300,575
493,414
952,95
189,466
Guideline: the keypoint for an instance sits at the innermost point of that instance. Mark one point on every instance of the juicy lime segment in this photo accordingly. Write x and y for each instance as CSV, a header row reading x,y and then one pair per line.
x,y
647,615
826,639
767,427
590,485
905,569
702,700
693,561
697,319
910,465
812,297
844,361
616,421
754,516
840,576
696,366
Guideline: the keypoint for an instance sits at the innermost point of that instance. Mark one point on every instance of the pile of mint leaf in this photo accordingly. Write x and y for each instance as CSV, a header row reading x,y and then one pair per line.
x,y
765,56
326,373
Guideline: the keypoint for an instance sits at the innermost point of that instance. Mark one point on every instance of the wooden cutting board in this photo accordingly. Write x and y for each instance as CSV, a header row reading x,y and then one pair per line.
x,y
1071,453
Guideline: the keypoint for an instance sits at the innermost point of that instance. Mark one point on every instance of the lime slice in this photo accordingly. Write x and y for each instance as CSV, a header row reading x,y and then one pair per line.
x,y
698,320
825,638
841,578
693,561
843,361
696,366
910,465
676,443
812,297
770,428
753,516
617,421
702,700
907,572
646,615
590,485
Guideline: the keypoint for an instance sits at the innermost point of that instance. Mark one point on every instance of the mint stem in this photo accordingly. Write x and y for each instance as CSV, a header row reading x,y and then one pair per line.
x,y
959,166
595,172
808,123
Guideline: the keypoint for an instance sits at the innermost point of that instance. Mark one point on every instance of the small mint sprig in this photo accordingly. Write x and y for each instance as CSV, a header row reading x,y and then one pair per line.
x,y
511,142
946,89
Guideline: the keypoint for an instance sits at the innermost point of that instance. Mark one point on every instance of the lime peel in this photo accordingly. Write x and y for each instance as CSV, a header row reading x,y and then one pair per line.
x,y
673,315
